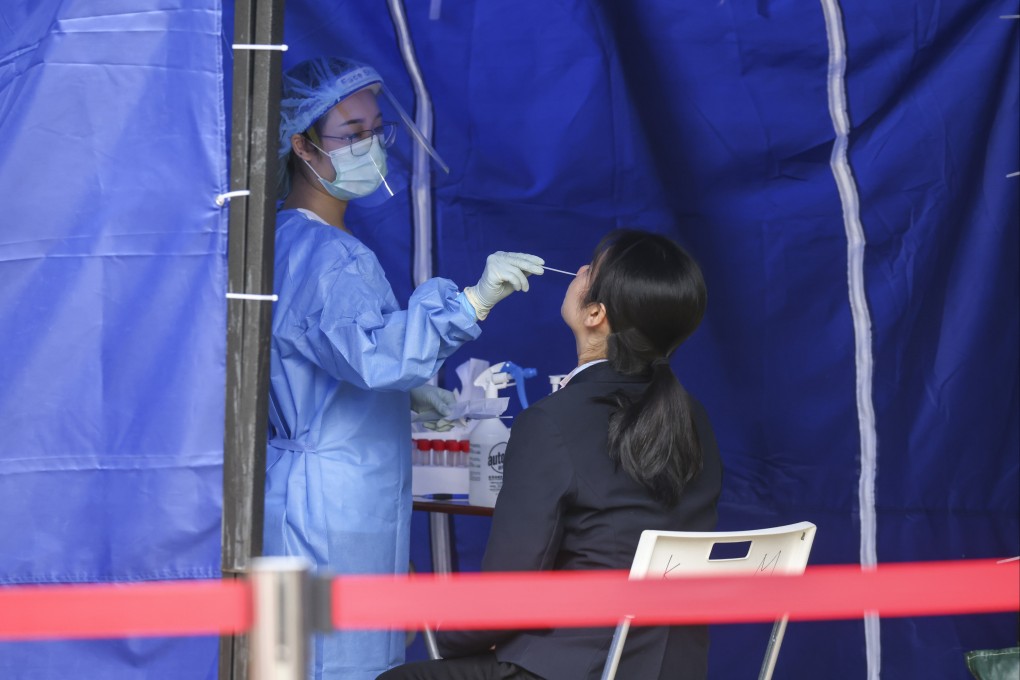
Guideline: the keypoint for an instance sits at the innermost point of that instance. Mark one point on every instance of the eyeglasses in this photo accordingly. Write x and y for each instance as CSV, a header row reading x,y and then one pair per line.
x,y
386,133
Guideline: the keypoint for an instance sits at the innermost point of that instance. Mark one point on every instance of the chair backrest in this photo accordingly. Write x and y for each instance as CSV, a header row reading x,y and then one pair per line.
x,y
665,554
670,554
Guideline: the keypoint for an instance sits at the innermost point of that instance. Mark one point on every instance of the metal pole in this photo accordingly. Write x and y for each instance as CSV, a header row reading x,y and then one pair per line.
x,y
439,533
281,628
421,184
256,96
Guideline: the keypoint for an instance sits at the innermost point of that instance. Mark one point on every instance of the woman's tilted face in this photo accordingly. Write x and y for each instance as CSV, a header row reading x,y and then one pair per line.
x,y
572,309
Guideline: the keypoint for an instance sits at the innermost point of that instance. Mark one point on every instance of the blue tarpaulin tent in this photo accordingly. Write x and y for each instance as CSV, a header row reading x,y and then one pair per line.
x,y
859,358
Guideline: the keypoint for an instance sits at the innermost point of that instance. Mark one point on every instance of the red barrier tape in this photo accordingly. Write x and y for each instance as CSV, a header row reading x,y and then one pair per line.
x,y
537,600
526,599
125,610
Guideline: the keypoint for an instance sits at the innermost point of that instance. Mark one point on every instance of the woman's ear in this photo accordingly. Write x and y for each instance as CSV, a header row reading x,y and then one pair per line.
x,y
302,147
595,316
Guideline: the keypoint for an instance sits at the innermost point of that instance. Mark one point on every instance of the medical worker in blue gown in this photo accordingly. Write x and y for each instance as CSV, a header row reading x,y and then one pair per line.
x,y
348,365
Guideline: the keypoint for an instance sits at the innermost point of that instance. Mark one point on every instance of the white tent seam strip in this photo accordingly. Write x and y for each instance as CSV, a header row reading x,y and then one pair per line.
x,y
864,360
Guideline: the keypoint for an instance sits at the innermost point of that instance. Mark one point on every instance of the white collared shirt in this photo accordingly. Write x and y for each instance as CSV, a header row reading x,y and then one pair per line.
x,y
563,383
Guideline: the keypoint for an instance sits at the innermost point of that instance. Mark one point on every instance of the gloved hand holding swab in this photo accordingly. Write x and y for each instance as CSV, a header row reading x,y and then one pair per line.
x,y
504,273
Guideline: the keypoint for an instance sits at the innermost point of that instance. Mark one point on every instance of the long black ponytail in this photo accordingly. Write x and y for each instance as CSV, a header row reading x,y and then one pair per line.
x,y
655,297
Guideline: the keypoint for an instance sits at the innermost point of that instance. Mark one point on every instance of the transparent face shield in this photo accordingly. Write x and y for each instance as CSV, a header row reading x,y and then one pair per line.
x,y
372,144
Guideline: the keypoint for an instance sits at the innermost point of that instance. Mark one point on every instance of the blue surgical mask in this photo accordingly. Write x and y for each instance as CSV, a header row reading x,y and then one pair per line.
x,y
360,169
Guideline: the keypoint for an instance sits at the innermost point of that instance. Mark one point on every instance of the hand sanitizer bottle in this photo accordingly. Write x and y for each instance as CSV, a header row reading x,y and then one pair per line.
x,y
488,445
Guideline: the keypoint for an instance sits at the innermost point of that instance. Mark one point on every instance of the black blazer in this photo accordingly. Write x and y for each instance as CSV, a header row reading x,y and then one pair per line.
x,y
565,505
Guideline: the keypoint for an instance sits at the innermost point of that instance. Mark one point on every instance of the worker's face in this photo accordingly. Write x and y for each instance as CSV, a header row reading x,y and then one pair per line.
x,y
343,124
350,119
573,310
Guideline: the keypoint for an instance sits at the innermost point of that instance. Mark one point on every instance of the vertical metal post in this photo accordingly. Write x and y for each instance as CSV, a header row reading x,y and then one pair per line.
x,y
421,184
281,628
442,563
256,97
439,534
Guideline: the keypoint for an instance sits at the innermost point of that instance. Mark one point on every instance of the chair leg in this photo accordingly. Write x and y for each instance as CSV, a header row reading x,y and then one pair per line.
x,y
772,652
430,643
426,632
616,649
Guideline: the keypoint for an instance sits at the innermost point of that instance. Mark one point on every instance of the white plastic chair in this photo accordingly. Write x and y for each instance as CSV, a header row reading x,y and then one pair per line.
x,y
671,554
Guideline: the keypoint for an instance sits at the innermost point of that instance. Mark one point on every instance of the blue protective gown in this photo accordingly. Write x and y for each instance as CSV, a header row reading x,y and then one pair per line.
x,y
338,468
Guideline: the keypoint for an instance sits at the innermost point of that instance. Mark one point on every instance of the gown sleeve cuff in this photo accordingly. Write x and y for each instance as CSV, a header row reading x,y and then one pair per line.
x,y
466,305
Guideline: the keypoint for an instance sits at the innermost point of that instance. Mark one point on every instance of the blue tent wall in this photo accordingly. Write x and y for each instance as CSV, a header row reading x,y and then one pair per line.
x,y
112,274
710,122
560,121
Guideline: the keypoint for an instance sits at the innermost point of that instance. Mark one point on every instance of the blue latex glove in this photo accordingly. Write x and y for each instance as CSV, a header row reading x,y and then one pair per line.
x,y
504,273
428,401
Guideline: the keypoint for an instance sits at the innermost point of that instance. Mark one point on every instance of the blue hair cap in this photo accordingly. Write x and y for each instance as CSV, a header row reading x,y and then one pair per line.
x,y
313,87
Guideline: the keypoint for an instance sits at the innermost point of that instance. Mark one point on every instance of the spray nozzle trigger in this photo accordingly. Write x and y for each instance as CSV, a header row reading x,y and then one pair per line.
x,y
519,374
505,374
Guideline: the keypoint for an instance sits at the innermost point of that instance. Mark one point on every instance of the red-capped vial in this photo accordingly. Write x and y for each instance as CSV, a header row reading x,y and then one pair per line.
x,y
421,452
452,450
438,451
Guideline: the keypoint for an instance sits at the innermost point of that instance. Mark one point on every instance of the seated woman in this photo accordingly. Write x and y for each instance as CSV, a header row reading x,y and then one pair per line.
x,y
620,449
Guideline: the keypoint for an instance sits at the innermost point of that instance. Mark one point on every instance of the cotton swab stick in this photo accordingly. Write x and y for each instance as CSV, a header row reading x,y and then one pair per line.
x,y
558,271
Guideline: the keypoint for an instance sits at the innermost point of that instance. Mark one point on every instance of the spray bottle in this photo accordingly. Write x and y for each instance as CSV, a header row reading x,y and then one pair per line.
x,y
489,438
